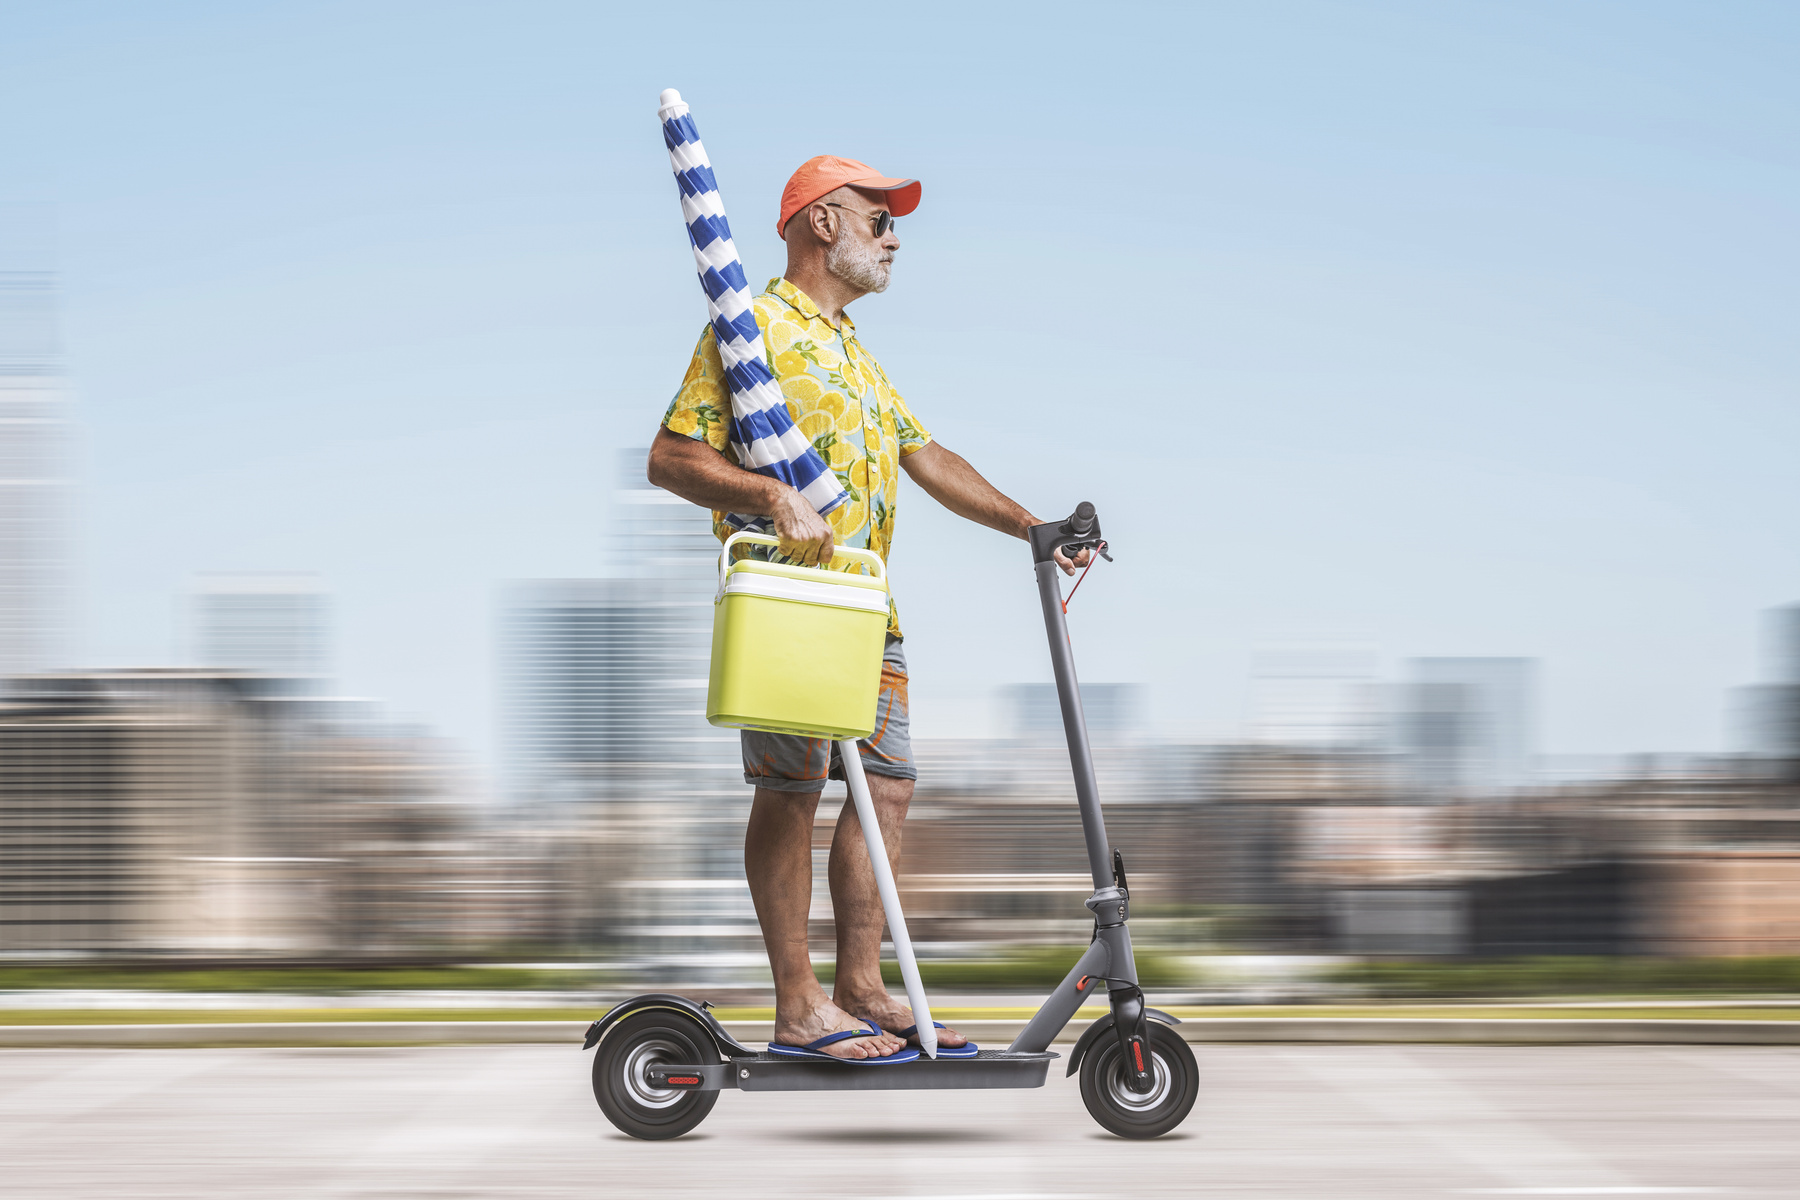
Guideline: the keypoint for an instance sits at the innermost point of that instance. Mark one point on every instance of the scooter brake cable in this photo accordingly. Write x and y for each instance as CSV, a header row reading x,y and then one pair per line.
x,y
1078,582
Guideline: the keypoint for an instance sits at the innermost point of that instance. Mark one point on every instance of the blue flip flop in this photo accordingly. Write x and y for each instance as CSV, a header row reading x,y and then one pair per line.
x,y
966,1050
815,1049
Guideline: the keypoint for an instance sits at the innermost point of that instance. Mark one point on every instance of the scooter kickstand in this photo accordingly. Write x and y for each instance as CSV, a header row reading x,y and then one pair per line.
x,y
890,895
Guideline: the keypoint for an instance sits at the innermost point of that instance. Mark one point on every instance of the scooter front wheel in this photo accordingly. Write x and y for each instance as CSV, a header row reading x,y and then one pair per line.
x,y
621,1074
1174,1088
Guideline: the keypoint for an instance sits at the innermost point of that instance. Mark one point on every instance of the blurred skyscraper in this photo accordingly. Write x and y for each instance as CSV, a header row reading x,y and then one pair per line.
x,y
1466,724
597,676
1784,643
1769,712
605,701
1114,712
274,624
604,674
1317,696
661,536
35,593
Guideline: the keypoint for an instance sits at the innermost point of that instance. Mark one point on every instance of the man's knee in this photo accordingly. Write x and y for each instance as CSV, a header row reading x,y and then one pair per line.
x,y
781,805
892,796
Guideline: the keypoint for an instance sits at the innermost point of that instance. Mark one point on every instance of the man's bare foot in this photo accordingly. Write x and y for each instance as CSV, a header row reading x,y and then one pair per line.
x,y
810,1023
892,1016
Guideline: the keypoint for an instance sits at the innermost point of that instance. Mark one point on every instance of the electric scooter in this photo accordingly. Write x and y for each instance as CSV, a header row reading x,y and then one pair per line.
x,y
663,1059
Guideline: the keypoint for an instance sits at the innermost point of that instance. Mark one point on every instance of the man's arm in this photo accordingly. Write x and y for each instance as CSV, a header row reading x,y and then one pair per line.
x,y
948,478
701,475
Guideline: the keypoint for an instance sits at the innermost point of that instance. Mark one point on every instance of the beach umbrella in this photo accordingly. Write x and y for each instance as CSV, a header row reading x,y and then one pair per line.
x,y
762,434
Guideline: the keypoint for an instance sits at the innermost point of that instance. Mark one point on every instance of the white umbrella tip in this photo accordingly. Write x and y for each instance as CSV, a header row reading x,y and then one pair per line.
x,y
670,98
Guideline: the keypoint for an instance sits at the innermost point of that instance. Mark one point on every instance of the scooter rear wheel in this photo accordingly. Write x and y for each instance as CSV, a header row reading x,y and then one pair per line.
x,y
1175,1087
621,1080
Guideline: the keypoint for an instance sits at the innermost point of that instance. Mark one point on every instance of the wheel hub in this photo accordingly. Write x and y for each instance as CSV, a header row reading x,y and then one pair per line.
x,y
1120,1093
643,1056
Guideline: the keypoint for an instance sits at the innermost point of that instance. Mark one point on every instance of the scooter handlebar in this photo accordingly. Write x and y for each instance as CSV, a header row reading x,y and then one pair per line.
x,y
1081,531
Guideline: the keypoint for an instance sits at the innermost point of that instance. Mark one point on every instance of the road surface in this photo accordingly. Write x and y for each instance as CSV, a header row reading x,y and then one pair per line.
x,y
1274,1122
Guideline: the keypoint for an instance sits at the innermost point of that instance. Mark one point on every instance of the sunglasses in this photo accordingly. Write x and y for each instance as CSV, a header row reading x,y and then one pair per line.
x,y
884,220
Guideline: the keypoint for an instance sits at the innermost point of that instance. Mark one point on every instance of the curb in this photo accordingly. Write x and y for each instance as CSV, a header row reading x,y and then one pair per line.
x,y
1324,1030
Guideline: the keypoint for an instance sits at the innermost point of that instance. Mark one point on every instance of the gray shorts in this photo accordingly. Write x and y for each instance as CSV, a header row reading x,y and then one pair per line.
x,y
784,762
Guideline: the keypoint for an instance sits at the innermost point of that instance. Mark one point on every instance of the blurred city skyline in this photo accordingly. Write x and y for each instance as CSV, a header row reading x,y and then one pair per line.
x,y
1466,337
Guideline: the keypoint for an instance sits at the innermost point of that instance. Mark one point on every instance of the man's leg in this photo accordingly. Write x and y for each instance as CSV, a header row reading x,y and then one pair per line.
x,y
856,903
778,865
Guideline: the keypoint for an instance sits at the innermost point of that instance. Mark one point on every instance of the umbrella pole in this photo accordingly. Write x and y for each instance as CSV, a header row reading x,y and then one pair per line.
x,y
890,895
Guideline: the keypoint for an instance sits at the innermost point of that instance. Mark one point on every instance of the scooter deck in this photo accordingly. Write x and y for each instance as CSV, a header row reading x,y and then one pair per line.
x,y
988,1069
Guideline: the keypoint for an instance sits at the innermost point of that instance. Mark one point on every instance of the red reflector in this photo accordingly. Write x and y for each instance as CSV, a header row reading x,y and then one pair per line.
x,y
692,1079
1137,1052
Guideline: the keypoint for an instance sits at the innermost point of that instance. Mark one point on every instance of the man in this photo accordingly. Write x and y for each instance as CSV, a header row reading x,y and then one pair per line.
x,y
837,217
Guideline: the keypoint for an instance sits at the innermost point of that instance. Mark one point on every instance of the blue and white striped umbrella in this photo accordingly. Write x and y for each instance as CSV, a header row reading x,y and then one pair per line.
x,y
762,434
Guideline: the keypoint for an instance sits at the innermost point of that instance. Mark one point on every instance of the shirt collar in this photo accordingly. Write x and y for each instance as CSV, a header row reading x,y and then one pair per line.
x,y
802,303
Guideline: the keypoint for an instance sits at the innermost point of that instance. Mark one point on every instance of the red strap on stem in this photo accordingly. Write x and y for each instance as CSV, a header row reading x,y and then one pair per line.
x,y
1091,561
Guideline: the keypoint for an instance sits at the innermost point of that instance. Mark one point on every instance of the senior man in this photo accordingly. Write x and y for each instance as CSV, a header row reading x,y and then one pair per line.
x,y
837,217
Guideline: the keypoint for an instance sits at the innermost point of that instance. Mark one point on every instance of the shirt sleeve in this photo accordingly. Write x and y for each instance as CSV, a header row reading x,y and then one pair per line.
x,y
701,408
911,435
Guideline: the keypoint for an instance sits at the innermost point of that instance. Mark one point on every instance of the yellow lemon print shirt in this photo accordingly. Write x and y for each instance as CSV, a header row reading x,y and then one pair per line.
x,y
839,397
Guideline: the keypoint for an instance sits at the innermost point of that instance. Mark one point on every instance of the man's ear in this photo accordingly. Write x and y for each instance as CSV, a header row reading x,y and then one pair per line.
x,y
818,219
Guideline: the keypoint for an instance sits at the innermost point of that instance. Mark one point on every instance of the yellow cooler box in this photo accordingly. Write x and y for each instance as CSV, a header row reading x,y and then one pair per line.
x,y
797,649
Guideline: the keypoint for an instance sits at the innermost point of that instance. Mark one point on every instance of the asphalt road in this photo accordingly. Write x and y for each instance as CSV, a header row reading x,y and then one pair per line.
x,y
1274,1121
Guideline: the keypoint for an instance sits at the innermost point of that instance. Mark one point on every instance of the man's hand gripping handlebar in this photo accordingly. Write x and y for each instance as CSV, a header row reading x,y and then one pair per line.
x,y
1071,543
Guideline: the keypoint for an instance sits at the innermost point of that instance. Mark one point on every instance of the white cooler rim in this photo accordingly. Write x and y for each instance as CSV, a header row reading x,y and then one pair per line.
x,y
831,595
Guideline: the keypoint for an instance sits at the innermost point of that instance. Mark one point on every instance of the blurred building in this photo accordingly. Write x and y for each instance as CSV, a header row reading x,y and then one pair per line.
x,y
1114,712
35,487
275,624
1784,643
118,806
1315,696
1466,725
218,815
1768,713
602,674
658,535
605,679
610,756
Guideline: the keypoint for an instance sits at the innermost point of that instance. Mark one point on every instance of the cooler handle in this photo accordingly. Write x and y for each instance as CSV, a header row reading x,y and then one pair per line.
x,y
768,539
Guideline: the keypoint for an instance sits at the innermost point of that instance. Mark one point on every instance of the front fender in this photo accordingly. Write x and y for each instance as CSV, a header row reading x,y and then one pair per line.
x,y
1103,1026
728,1045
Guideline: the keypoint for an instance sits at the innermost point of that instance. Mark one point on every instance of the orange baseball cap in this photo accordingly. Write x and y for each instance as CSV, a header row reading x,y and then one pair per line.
x,y
828,173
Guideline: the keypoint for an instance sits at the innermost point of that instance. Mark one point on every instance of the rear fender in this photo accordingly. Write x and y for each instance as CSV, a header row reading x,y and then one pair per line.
x,y
1101,1028
728,1045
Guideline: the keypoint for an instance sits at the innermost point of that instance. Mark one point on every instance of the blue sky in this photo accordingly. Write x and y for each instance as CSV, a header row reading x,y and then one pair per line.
x,y
1437,328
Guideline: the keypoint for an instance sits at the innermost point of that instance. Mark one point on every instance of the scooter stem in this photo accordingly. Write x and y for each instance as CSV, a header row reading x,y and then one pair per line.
x,y
1068,695
890,895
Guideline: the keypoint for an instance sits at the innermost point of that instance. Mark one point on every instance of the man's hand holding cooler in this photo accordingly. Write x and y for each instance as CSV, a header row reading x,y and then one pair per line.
x,y
805,536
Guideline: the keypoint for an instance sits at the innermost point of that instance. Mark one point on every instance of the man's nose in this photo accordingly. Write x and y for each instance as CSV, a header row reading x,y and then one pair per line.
x,y
891,241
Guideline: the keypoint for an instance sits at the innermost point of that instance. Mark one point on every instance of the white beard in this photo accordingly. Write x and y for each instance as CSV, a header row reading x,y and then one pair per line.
x,y
858,265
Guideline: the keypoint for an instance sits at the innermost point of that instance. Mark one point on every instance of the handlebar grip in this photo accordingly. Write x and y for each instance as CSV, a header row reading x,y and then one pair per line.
x,y
1080,530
